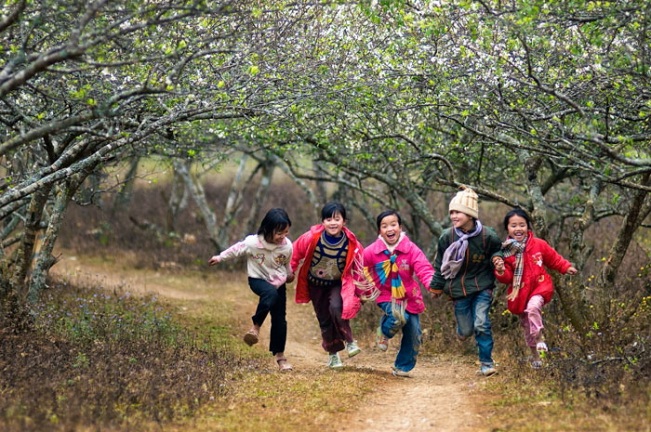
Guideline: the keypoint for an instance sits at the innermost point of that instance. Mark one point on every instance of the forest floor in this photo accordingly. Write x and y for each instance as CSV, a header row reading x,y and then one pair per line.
x,y
442,394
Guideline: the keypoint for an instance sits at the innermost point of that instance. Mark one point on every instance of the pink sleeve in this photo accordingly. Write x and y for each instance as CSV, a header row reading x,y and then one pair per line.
x,y
422,268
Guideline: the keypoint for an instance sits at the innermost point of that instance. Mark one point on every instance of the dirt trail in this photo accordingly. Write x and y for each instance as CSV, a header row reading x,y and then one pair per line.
x,y
441,395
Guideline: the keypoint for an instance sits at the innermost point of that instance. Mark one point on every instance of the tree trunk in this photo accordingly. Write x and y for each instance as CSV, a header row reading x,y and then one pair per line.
x,y
197,192
177,201
633,219
23,258
321,190
268,168
45,259
233,204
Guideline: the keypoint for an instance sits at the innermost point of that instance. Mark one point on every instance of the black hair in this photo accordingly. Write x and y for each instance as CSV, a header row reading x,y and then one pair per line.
x,y
517,212
386,213
332,208
275,220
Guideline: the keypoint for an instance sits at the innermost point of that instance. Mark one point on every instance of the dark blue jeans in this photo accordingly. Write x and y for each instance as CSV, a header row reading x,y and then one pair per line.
x,y
272,301
472,318
411,336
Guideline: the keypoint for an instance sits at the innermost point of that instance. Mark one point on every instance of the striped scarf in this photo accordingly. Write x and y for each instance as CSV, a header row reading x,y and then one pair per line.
x,y
509,248
388,271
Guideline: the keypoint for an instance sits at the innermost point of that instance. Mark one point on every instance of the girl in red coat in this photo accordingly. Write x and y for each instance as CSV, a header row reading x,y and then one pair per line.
x,y
330,259
530,286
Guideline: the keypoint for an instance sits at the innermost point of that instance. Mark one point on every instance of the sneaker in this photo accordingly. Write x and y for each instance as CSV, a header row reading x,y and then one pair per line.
x,y
536,364
487,369
353,349
334,362
400,373
381,340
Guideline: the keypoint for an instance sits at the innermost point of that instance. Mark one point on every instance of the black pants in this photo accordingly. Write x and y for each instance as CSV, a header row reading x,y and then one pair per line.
x,y
272,301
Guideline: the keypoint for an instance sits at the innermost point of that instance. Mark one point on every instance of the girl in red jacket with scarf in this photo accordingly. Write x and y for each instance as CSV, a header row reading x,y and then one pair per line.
x,y
329,260
530,286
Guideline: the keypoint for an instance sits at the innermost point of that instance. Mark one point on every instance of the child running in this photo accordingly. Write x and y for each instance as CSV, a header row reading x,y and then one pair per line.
x,y
530,286
268,256
464,272
330,260
392,262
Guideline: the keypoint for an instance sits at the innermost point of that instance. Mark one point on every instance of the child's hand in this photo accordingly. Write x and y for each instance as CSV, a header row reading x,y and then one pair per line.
x,y
436,294
571,271
498,262
214,260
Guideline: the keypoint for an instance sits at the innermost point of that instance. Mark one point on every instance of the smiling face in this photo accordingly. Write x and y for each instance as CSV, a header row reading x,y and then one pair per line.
x,y
517,228
279,236
334,224
461,221
390,229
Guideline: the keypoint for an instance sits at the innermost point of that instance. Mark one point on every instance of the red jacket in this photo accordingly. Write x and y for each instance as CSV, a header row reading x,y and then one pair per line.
x,y
304,247
537,255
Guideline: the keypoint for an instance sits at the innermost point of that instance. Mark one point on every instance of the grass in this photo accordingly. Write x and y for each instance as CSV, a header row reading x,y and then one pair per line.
x,y
534,405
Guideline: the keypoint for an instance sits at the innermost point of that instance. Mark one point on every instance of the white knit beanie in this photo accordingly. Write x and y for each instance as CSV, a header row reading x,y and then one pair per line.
x,y
465,201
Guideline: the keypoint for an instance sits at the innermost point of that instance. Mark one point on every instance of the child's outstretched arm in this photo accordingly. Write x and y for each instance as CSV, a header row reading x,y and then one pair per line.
x,y
236,250
555,261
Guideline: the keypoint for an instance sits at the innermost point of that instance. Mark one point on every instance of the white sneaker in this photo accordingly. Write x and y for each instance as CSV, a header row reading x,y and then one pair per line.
x,y
400,373
381,340
334,362
487,369
353,349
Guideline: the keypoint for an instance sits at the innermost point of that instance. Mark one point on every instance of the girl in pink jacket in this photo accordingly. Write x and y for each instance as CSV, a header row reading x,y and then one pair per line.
x,y
394,264
523,268
330,260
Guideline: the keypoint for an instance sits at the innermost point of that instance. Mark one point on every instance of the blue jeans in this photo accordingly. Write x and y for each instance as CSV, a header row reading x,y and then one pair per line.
x,y
411,336
472,317
273,301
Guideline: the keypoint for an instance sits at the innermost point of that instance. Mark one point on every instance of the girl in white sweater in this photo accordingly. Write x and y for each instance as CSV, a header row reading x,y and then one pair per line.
x,y
268,256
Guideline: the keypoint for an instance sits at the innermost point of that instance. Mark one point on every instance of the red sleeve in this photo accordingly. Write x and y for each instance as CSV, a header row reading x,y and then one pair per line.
x,y
553,259
300,249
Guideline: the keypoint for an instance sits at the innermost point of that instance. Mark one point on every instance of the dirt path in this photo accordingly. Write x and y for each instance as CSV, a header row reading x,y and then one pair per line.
x,y
441,395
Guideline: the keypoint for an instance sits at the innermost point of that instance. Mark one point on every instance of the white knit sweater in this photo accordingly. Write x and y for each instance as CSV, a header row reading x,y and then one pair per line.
x,y
265,260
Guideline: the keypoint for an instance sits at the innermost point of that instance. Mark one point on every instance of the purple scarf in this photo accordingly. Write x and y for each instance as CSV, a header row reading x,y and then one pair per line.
x,y
455,254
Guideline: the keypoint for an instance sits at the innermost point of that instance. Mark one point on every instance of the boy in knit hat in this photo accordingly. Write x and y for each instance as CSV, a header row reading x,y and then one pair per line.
x,y
465,273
